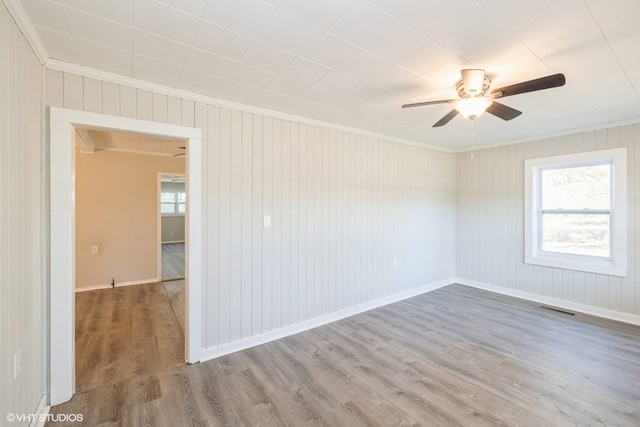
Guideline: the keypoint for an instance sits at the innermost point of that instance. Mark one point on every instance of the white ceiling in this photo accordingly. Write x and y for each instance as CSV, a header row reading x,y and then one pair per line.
x,y
354,62
131,142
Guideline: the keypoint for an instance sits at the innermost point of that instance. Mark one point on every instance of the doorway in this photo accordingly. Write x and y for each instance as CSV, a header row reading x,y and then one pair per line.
x,y
125,324
62,126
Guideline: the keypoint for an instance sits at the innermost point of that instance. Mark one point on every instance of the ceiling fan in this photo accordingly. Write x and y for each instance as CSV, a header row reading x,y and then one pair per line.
x,y
476,96
180,154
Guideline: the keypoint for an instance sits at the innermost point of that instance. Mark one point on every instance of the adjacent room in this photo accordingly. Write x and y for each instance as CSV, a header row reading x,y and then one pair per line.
x,y
129,321
292,212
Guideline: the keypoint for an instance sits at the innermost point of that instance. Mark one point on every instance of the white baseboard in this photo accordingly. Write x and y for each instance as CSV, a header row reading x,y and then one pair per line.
x,y
118,285
224,349
568,305
41,413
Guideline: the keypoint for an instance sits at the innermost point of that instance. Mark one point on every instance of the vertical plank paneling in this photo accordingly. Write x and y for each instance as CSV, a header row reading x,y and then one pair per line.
x,y
518,206
615,283
343,207
257,226
512,200
212,201
8,103
323,234
294,278
225,283
303,222
317,220
55,88
481,214
376,215
285,273
500,232
22,230
187,111
311,254
144,105
339,217
174,110
276,248
128,102
159,102
267,240
92,94
235,294
73,91
246,226
110,98
350,255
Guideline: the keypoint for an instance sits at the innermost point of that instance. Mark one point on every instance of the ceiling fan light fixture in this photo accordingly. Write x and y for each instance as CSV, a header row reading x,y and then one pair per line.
x,y
473,107
472,80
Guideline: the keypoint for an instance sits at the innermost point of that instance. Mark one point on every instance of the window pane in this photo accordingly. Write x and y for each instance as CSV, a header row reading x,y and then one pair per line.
x,y
167,208
182,197
167,197
181,208
584,187
580,234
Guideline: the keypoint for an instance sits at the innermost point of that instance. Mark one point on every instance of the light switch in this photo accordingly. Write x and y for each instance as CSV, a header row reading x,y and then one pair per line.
x,y
267,221
94,249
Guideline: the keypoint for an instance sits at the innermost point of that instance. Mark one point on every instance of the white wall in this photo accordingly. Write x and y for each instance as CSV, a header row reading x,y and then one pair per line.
x,y
490,223
343,207
22,231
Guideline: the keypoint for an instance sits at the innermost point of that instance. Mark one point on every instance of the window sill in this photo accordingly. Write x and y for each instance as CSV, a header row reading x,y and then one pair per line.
x,y
578,263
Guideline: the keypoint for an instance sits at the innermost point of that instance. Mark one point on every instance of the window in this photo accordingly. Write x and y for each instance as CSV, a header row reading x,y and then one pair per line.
x,y
575,211
172,202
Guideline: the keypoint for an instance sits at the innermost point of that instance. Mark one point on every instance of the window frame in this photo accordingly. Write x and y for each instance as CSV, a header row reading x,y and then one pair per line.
x,y
616,264
176,203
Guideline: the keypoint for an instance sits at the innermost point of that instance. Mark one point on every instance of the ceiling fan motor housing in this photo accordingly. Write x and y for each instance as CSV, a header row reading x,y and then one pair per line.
x,y
474,83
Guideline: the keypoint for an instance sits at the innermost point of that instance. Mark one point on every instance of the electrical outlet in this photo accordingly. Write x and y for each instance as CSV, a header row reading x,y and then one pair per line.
x,y
17,364
94,249
267,221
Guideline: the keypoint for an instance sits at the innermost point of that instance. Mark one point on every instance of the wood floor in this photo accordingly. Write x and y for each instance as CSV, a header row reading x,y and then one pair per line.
x,y
454,357
173,261
124,333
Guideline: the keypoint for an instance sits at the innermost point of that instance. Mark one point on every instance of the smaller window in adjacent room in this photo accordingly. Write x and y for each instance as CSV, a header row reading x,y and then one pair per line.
x,y
575,211
172,202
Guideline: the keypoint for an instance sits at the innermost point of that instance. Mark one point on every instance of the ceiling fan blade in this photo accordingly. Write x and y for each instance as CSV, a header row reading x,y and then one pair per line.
x,y
446,119
502,111
420,104
542,83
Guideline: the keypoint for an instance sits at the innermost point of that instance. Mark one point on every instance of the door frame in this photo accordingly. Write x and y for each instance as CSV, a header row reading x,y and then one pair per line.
x,y
62,124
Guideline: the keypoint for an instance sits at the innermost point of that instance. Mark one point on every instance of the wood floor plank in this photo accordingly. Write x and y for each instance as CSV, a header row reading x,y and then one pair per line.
x,y
456,356
175,291
123,333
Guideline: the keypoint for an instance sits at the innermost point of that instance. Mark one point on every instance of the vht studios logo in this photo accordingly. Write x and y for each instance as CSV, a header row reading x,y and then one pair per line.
x,y
72,418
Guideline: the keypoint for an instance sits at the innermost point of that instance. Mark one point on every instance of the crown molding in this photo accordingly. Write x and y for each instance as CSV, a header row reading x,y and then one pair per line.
x,y
24,23
574,131
66,67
